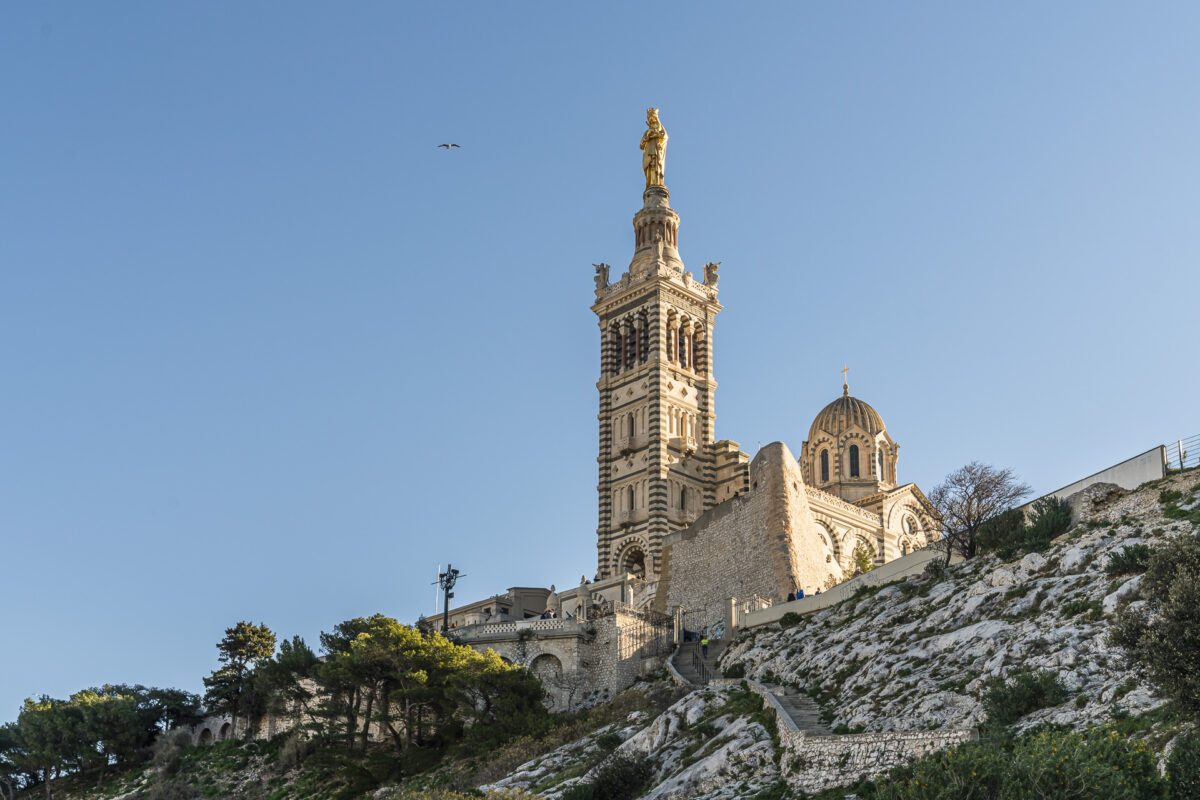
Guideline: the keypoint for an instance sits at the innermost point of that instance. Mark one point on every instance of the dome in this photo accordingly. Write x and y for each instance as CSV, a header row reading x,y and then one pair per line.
x,y
839,415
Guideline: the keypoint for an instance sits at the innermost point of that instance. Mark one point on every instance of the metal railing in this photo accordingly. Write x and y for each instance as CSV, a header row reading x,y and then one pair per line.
x,y
703,673
1183,454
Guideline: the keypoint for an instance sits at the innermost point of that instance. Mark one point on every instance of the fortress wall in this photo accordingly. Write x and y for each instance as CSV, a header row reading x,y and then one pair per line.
x,y
759,543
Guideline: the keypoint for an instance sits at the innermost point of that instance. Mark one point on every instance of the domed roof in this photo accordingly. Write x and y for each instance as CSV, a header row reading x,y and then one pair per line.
x,y
839,415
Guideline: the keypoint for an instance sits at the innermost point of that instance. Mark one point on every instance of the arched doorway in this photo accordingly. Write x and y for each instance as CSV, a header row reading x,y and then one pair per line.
x,y
633,561
206,736
225,731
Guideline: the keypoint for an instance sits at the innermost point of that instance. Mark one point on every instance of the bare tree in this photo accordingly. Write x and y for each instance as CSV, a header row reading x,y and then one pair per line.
x,y
969,496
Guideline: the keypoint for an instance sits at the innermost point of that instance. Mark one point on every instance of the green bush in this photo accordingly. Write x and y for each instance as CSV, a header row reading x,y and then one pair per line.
x,y
790,620
1162,638
1051,764
1132,560
1003,534
1049,518
622,777
734,671
1183,767
935,569
609,741
1008,534
1006,701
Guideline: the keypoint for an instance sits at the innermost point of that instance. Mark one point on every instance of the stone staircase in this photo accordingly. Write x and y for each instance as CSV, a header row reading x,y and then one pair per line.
x,y
698,670
802,710
689,660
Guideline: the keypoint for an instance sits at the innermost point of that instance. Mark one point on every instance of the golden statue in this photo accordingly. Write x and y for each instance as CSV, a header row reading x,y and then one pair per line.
x,y
654,149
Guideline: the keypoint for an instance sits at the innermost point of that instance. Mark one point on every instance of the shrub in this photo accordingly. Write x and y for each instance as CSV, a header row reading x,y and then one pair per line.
x,y
1132,560
1006,701
1061,764
790,620
935,569
1003,534
1162,638
609,741
622,777
1049,518
734,671
1183,767
1007,534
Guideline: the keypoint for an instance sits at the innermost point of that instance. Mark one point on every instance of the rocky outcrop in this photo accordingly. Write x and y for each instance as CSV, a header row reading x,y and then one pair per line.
x,y
699,750
915,655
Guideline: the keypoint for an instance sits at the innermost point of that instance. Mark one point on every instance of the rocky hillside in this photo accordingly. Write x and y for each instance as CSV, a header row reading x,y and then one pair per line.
x,y
914,655
909,656
712,744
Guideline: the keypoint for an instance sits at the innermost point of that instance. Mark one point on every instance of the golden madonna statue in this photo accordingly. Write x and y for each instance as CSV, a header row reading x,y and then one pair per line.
x,y
654,149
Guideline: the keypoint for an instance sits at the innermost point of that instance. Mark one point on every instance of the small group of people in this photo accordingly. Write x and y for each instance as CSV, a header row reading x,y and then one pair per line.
x,y
549,613
798,595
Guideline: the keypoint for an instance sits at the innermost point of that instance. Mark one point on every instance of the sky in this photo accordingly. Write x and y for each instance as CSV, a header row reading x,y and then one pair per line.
x,y
269,354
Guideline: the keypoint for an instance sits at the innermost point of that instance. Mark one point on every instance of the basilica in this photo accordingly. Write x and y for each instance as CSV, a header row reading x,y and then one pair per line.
x,y
675,502
689,524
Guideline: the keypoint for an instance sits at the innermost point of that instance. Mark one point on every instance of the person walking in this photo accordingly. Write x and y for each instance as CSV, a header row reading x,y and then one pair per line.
x,y
704,646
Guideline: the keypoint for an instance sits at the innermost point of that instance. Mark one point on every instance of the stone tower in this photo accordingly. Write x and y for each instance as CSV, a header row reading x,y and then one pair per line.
x,y
659,468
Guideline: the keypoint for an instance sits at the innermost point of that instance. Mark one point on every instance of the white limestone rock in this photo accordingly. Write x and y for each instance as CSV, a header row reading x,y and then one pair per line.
x,y
1073,560
1032,562
1001,577
1126,591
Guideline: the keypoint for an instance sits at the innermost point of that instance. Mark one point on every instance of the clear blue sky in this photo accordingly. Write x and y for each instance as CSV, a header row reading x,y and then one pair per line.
x,y
268,354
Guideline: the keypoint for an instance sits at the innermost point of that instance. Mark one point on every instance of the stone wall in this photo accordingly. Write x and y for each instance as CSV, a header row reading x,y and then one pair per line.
x,y
761,543
816,763
580,660
899,569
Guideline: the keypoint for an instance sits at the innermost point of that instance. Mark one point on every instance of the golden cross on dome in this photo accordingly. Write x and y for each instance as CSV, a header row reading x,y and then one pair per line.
x,y
845,382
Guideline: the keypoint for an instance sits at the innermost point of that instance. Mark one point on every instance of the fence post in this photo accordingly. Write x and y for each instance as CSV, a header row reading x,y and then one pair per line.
x,y
1179,445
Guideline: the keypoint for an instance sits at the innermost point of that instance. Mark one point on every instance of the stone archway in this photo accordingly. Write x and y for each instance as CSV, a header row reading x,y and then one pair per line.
x,y
225,732
206,736
546,668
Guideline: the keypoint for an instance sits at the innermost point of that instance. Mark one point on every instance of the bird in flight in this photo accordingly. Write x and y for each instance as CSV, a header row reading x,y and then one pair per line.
x,y
447,146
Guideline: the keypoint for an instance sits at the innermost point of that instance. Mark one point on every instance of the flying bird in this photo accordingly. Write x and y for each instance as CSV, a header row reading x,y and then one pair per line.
x,y
447,146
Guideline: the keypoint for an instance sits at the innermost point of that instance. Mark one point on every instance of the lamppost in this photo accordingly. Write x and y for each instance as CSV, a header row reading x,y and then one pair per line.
x,y
446,580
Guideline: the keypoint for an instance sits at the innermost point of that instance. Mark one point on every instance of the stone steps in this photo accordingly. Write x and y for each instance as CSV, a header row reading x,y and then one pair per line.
x,y
802,709
684,658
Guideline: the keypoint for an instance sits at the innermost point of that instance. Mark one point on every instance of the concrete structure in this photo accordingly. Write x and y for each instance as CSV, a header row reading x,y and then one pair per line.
x,y
1129,474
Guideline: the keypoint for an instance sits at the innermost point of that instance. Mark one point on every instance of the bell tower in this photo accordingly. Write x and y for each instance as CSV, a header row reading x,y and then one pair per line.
x,y
656,459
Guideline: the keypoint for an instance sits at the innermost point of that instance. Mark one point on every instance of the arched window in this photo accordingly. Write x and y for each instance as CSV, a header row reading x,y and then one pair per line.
x,y
631,498
824,466
683,498
854,461
879,453
631,425
904,548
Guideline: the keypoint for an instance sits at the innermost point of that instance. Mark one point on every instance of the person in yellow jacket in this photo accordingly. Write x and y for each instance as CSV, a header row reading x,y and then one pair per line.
x,y
704,646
